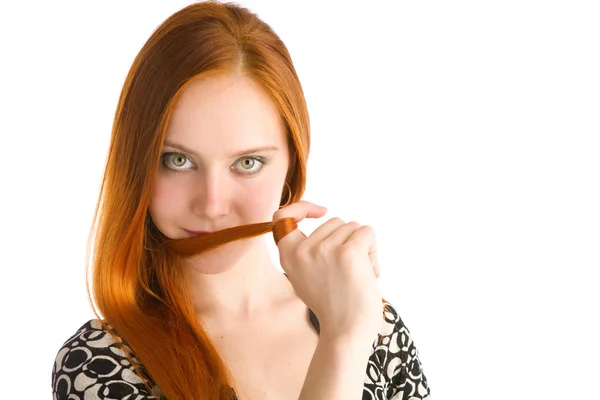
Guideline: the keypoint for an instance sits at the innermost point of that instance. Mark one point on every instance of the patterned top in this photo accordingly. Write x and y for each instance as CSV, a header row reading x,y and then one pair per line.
x,y
91,365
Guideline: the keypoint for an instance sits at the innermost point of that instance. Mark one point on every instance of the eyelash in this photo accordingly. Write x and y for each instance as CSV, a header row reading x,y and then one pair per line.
x,y
165,156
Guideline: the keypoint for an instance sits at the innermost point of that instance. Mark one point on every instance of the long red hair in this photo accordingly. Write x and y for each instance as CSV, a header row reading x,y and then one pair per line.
x,y
138,285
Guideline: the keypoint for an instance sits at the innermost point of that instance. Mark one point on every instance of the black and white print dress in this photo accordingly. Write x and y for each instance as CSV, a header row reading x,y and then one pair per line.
x,y
91,365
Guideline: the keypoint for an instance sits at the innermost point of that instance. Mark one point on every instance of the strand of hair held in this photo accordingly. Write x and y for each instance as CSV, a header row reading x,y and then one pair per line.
x,y
197,244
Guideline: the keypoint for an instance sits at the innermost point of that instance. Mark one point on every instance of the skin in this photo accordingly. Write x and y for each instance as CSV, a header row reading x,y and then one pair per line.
x,y
238,290
212,189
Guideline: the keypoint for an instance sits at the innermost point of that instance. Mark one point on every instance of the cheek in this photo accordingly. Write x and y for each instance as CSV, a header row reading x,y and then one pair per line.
x,y
163,204
260,201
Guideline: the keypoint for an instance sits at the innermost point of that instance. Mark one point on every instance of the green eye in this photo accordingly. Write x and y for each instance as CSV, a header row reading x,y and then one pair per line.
x,y
176,161
249,165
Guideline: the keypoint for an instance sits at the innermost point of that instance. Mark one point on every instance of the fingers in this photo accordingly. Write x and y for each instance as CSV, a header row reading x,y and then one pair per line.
x,y
335,232
363,237
326,230
374,260
342,233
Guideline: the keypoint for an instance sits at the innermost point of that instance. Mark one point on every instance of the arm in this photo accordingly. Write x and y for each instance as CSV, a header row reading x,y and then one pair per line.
x,y
406,377
410,381
337,370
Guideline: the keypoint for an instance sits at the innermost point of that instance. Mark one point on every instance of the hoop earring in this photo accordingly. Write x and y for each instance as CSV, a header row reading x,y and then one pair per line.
x,y
289,197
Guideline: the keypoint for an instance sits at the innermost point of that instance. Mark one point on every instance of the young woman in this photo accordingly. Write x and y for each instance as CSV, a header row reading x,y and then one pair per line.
x,y
208,152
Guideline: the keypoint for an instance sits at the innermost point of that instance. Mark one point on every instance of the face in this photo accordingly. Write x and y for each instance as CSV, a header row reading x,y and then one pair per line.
x,y
223,164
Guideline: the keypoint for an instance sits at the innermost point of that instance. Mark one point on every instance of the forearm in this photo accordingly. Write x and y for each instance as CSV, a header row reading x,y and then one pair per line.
x,y
337,370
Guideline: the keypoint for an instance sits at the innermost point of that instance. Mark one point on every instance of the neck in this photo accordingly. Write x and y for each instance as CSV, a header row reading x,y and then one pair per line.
x,y
242,288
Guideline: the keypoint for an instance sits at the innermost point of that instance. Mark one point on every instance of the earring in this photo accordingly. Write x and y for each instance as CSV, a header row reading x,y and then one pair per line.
x,y
289,197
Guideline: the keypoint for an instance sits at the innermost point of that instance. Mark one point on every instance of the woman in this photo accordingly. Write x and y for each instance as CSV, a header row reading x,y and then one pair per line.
x,y
210,140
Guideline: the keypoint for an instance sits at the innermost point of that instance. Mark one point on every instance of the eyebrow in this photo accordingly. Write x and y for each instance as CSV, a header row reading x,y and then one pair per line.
x,y
236,154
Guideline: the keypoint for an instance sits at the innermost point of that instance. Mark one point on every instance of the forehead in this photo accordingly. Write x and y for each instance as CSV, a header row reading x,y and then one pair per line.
x,y
222,114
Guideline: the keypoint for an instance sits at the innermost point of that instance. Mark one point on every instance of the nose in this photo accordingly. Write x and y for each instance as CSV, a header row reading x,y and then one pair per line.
x,y
211,196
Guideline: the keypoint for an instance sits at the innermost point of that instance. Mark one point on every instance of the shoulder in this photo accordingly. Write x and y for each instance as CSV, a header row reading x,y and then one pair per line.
x,y
392,322
95,363
395,360
395,338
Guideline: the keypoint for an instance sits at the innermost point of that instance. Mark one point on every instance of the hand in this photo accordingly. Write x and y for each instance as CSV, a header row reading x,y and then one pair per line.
x,y
334,271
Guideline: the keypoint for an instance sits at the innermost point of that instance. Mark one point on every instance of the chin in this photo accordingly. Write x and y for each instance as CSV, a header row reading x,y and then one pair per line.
x,y
224,257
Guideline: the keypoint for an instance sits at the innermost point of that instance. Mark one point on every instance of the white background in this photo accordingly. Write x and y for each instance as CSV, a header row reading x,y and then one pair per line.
x,y
467,133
